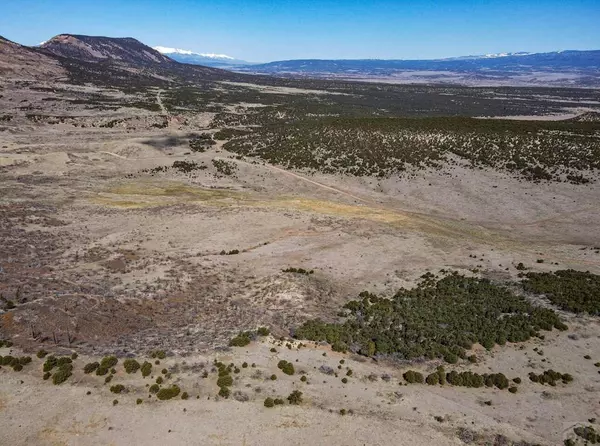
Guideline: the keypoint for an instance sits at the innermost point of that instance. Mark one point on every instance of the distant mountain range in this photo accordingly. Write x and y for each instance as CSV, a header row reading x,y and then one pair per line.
x,y
206,59
114,61
578,68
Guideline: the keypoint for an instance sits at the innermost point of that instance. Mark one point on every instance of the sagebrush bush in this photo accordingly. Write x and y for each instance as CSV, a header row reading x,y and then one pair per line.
x,y
131,365
286,367
225,381
146,369
413,377
108,362
117,388
263,331
269,402
91,367
241,340
295,397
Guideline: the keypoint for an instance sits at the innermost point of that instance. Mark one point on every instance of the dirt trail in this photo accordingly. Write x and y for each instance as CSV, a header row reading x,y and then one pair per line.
x,y
160,103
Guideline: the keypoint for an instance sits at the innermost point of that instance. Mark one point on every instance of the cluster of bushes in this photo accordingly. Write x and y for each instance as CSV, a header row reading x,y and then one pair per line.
x,y
167,393
106,364
272,402
224,167
117,388
5,343
295,397
298,271
158,354
381,146
440,318
201,142
225,380
245,337
182,166
286,367
587,433
550,377
226,134
229,253
570,290
15,362
64,367
413,377
463,379
91,367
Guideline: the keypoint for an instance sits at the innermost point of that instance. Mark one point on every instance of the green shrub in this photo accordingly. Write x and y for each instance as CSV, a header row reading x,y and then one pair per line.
x,y
139,401
263,331
159,380
62,374
225,381
224,392
303,379
17,367
160,354
269,402
109,362
146,369
101,371
345,380
49,364
279,402
245,365
115,402
433,379
131,365
47,376
41,353
241,340
512,389
154,388
117,388
74,356
286,367
90,367
273,377
108,379
185,396
413,377
295,397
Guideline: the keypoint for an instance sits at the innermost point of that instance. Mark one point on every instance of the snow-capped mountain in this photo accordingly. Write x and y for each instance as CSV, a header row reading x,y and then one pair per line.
x,y
489,56
207,59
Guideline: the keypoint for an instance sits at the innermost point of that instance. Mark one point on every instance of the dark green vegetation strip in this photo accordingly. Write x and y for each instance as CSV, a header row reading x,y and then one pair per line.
x,y
571,290
533,150
440,318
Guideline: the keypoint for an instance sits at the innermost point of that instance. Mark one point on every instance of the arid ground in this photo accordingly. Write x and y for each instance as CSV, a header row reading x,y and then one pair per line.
x,y
111,247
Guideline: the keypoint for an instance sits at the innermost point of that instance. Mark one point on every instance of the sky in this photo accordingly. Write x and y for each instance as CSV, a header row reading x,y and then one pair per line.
x,y
267,30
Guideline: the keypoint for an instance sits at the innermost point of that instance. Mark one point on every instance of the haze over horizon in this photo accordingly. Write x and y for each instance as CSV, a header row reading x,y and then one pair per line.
x,y
263,30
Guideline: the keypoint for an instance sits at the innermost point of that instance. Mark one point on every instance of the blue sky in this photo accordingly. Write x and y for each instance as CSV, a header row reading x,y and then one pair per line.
x,y
265,30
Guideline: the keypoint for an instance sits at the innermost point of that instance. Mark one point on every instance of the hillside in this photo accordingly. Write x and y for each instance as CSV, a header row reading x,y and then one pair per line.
x,y
102,61
97,48
18,61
